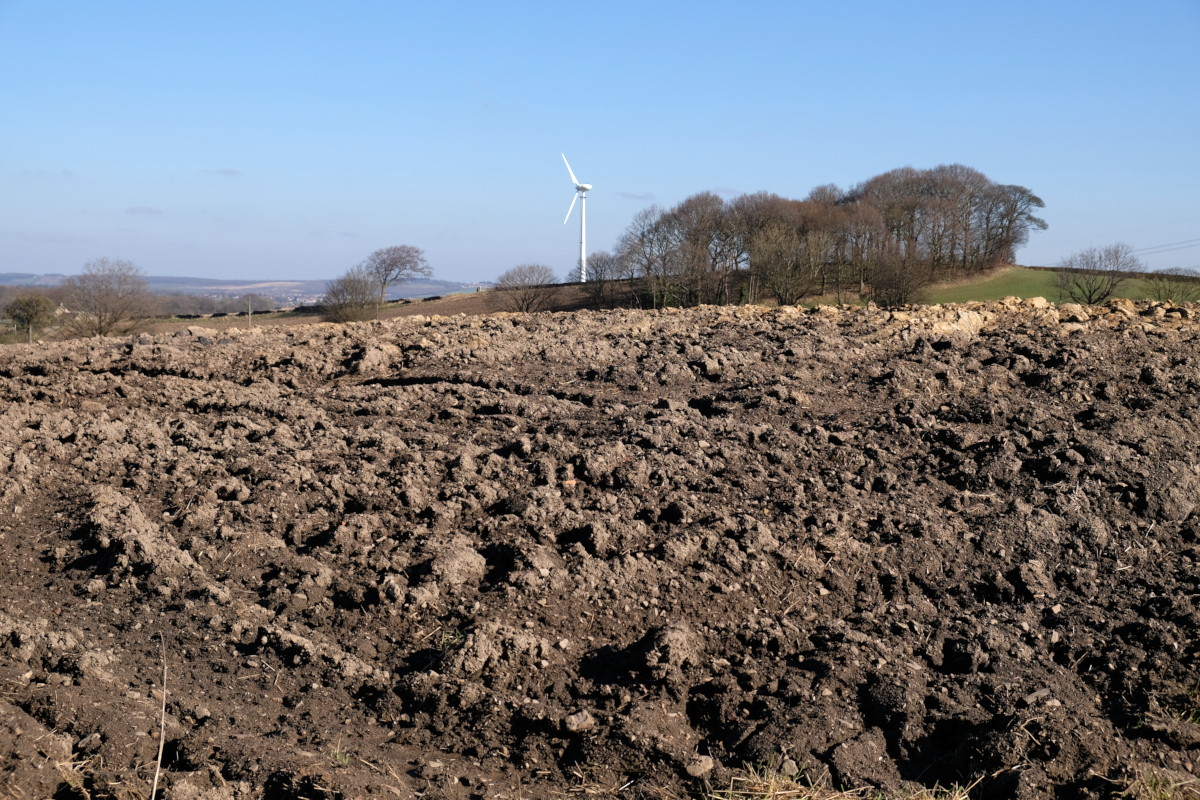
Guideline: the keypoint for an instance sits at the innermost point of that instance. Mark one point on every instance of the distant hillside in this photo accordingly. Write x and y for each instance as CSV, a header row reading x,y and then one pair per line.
x,y
284,291
29,279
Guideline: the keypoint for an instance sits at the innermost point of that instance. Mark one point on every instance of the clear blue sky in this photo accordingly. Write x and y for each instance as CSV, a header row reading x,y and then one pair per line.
x,y
277,140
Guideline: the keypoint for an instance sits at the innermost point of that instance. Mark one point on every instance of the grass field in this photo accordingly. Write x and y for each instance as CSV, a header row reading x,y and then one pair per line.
x,y
1017,282
1021,282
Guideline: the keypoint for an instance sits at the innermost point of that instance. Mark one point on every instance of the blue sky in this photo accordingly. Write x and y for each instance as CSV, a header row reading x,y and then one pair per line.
x,y
289,140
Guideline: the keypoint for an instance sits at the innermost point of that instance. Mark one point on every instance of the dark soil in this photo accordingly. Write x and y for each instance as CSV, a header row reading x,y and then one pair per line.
x,y
632,551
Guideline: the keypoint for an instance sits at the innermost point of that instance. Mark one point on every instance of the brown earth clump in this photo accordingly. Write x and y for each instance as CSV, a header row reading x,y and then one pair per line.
x,y
628,553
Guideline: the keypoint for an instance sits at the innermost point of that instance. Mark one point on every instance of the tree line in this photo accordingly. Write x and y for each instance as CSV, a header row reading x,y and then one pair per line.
x,y
882,239
112,297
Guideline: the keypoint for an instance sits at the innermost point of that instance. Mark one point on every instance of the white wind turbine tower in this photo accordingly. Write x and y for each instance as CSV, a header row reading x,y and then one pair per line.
x,y
581,190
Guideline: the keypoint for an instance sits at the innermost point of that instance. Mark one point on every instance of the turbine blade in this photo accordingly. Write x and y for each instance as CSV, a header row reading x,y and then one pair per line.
x,y
572,174
572,208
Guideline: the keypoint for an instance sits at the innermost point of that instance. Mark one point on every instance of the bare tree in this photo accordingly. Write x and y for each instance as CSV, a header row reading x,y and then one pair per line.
x,y
827,194
603,271
706,248
894,282
526,287
108,296
351,297
395,265
960,188
626,269
647,249
864,237
819,250
30,311
1017,221
1179,285
777,259
1092,276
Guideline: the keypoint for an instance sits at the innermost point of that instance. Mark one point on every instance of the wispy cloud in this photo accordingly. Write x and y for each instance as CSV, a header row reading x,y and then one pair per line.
x,y
147,211
635,196
225,172
724,191
53,237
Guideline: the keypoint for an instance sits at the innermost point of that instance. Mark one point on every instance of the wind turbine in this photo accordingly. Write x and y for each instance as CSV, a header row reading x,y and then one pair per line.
x,y
581,190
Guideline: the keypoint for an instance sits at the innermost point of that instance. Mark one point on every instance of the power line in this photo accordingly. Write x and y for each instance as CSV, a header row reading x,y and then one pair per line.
x,y
1110,233
1168,250
1169,244
1168,247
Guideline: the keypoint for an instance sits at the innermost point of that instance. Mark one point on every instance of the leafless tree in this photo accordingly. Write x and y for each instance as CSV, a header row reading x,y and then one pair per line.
x,y
625,269
827,194
647,250
30,311
819,257
527,288
1092,276
109,296
1177,285
895,283
702,256
391,266
753,212
863,239
777,259
604,270
351,297
960,188
898,195
1017,220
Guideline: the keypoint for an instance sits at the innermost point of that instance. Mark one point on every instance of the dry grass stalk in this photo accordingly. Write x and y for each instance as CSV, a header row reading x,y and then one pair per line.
x,y
1164,785
769,783
162,723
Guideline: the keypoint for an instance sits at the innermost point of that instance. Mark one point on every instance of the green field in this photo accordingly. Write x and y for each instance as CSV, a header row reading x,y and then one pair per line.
x,y
1021,282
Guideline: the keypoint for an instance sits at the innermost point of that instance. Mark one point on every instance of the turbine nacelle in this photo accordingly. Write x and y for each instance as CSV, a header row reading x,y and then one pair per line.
x,y
583,187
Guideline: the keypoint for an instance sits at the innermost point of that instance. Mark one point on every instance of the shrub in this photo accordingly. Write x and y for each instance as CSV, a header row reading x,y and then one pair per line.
x,y
30,311
351,297
107,297
1092,276
526,288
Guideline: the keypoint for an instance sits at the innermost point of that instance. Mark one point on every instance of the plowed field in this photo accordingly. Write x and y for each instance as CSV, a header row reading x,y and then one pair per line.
x,y
587,553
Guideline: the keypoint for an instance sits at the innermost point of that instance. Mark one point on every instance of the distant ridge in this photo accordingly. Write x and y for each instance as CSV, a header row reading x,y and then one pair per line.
x,y
29,279
279,289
